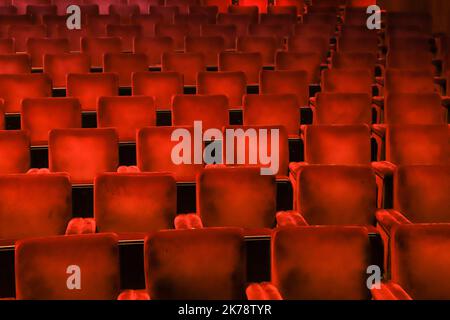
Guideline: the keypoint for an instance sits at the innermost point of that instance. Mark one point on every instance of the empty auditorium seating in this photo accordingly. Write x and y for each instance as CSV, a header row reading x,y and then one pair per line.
x,y
14,63
188,64
162,86
125,11
175,265
240,21
222,5
154,150
250,63
211,110
97,47
145,4
407,60
58,66
342,108
126,33
298,268
15,87
266,46
299,4
273,109
37,48
227,32
73,36
182,5
83,153
44,265
167,12
286,82
354,61
97,23
408,81
298,61
358,44
153,48
88,87
126,115
278,30
34,205
147,23
347,81
175,31
40,115
210,47
209,11
233,84
125,64
15,153
133,205
261,4
252,12
192,20
21,34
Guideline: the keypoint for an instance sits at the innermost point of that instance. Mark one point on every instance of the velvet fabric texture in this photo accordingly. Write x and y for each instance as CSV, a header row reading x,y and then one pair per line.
x,y
14,151
286,82
188,64
58,66
250,63
343,109
232,84
124,64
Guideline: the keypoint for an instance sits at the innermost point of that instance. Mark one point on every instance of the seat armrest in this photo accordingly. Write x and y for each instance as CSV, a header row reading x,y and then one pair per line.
x,y
290,219
134,295
81,226
389,291
38,171
389,219
128,169
384,168
188,221
263,291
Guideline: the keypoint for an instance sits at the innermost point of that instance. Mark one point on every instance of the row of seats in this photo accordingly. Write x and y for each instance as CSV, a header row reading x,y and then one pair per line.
x,y
175,266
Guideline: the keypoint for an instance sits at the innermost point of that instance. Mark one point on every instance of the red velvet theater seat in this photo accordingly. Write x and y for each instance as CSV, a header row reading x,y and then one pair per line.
x,y
21,34
210,12
83,153
73,36
410,60
357,44
312,30
175,31
290,10
14,63
286,82
210,47
175,265
15,87
273,109
250,63
21,5
126,115
39,11
126,33
88,87
154,153
37,48
342,108
420,263
422,21
266,46
44,265
354,61
167,12
347,81
233,84
227,32
406,81
7,46
133,204
14,151
252,145
59,66
261,4
147,22
240,21
317,263
162,86
278,30
309,44
125,11
211,110
192,20
419,44
299,4
298,61
153,48
188,64
221,4
34,205
182,5
104,4
145,4
40,115
97,47
250,11
125,64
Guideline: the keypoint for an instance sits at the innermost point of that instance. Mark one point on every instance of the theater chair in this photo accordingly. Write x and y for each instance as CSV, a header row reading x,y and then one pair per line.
x,y
103,5
147,22
250,63
145,4
40,115
317,263
312,30
419,263
14,63
417,21
125,11
299,4
89,87
210,47
73,36
410,60
126,33
261,4
182,5
210,12
247,200
342,109
154,153
134,204
227,32
308,62
162,86
167,12
266,46
187,64
96,47
221,4
124,64
39,11
252,12
355,61
192,20
273,109
7,46
177,32
21,34
358,44
59,66
420,196
83,153
37,48
309,44
286,82
211,110
15,87
290,10
239,21
409,81
411,145
278,30
14,152
153,48
44,265
232,84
